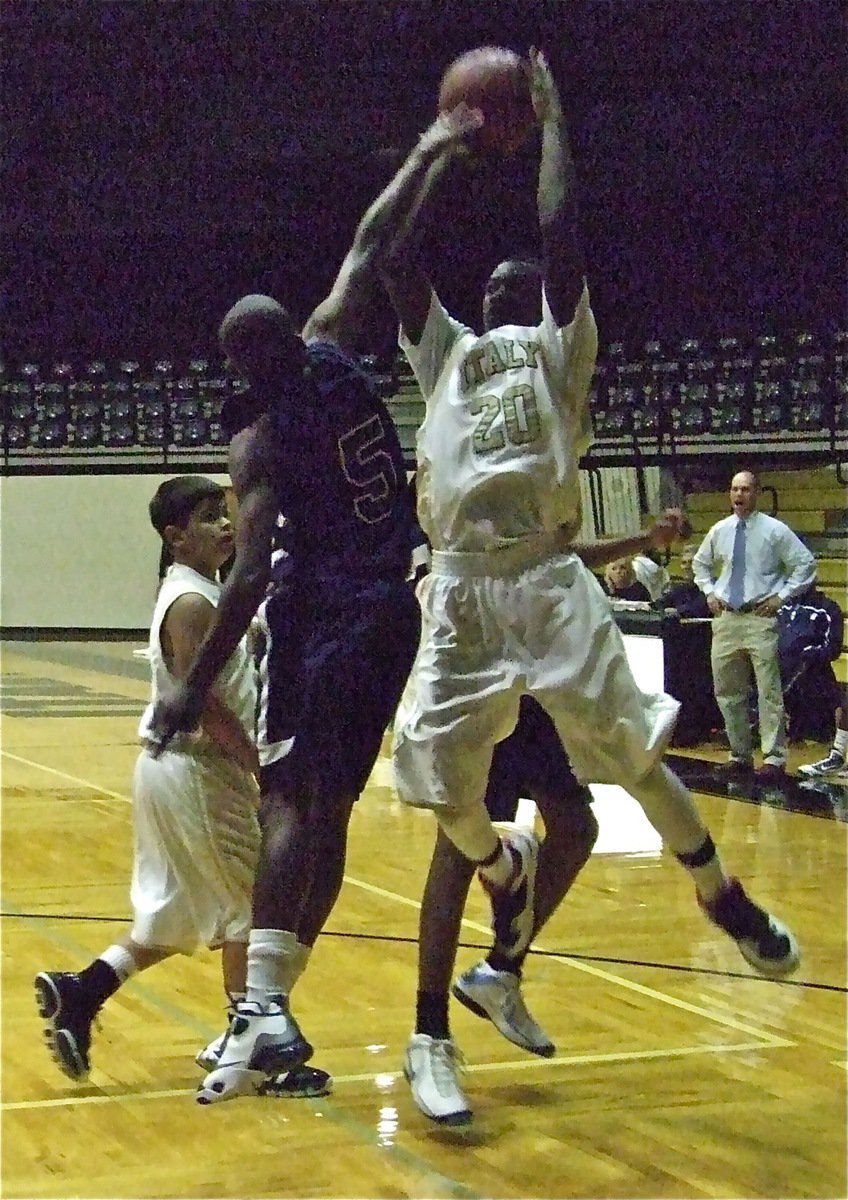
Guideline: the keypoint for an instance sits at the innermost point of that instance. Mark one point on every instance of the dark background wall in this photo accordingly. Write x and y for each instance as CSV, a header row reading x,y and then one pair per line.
x,y
163,158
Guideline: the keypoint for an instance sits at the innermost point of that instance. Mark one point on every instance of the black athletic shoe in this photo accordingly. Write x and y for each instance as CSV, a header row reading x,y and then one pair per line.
x,y
69,1016
735,770
300,1083
763,941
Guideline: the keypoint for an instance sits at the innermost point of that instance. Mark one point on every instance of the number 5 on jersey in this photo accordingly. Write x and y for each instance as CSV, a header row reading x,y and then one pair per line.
x,y
369,467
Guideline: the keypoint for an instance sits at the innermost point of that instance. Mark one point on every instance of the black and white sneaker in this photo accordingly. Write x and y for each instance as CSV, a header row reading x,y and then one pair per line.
x,y
763,941
496,996
301,1083
263,1041
69,1015
834,764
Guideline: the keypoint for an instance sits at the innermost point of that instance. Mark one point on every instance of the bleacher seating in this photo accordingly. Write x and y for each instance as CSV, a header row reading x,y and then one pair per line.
x,y
758,402
660,402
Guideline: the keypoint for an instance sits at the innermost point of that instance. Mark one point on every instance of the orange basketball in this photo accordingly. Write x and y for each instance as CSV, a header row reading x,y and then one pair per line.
x,y
494,80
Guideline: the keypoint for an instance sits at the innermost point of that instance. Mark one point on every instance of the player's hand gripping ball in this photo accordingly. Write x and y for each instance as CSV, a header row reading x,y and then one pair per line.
x,y
495,81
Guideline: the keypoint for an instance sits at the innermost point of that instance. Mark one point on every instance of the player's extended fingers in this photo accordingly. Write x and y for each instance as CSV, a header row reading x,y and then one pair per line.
x,y
541,61
163,727
157,740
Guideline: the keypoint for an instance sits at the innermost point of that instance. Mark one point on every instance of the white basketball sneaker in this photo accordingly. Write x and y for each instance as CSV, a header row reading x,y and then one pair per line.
x,y
261,1042
496,995
432,1067
209,1057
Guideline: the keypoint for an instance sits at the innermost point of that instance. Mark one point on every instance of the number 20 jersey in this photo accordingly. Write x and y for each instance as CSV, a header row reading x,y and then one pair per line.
x,y
507,420
342,487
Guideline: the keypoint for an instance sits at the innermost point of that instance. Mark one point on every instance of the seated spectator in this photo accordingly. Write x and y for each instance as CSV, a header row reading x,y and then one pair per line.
x,y
620,582
686,597
651,574
809,639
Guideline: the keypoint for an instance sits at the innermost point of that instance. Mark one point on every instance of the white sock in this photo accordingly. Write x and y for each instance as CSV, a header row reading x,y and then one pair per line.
x,y
120,960
269,956
840,742
297,963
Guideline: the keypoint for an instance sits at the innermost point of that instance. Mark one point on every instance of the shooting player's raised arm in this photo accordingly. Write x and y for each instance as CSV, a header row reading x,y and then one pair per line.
x,y
383,242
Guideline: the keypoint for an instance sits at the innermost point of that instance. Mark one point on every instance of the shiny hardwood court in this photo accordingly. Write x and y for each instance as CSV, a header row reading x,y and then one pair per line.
x,y
678,1074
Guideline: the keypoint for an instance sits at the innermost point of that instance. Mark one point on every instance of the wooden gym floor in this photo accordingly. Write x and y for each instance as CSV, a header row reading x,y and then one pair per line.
x,y
678,1074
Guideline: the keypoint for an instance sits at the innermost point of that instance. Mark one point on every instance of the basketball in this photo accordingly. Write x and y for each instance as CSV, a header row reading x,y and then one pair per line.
x,y
494,80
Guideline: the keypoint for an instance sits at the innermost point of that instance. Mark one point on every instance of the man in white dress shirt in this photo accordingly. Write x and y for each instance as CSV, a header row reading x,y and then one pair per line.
x,y
747,566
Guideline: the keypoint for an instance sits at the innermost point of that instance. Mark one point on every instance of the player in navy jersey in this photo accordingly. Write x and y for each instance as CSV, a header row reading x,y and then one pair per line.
x,y
310,440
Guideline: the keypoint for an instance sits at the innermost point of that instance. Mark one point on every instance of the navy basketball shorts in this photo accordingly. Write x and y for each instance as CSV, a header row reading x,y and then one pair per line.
x,y
531,762
335,658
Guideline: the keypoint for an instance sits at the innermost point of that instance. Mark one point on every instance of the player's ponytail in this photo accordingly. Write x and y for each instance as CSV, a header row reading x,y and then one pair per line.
x,y
173,504
166,560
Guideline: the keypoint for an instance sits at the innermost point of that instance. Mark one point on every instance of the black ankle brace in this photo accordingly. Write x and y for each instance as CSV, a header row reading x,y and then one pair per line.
x,y
701,856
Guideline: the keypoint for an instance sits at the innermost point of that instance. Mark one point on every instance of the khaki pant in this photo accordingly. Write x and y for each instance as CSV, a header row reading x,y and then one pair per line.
x,y
742,641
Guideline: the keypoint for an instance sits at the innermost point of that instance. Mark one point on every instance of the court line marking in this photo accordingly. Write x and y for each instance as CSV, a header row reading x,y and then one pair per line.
x,y
392,1077
769,1039
434,1183
608,976
397,1153
86,783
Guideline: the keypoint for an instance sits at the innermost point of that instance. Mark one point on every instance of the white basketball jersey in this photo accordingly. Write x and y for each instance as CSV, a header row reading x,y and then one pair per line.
x,y
507,420
235,686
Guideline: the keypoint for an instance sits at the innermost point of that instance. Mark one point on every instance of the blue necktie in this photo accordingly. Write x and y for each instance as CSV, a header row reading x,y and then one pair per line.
x,y
736,591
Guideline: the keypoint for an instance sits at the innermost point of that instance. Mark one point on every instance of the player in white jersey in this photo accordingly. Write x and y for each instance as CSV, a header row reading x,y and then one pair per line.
x,y
509,609
196,832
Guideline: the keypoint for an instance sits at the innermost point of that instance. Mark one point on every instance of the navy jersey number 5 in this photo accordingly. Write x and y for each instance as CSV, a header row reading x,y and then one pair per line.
x,y
368,465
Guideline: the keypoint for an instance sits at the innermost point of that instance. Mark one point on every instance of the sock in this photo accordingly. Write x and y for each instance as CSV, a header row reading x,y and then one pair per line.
x,y
840,742
269,955
704,865
102,978
234,998
431,1014
499,867
297,963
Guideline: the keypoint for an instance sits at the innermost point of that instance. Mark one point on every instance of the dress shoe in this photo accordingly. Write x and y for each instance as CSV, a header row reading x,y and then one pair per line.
x,y
771,773
735,769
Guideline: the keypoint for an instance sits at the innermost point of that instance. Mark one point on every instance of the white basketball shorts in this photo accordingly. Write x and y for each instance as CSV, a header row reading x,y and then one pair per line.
x,y
196,849
495,627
